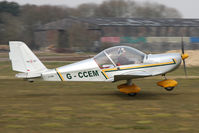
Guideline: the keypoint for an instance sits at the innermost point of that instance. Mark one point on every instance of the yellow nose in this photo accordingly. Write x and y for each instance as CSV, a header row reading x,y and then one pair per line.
x,y
184,56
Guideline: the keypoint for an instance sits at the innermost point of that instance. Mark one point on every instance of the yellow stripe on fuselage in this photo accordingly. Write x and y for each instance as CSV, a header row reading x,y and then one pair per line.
x,y
141,66
59,74
150,65
105,74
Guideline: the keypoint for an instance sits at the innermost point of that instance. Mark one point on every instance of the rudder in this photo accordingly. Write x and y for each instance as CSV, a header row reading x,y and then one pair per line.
x,y
23,59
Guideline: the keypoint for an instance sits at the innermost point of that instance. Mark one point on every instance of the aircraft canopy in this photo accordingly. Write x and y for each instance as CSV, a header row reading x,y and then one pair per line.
x,y
119,55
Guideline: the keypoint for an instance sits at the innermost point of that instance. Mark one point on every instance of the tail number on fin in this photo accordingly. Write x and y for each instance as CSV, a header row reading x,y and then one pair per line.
x,y
31,61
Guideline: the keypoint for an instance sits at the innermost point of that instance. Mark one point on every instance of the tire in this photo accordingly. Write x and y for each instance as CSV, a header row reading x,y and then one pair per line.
x,y
169,88
132,94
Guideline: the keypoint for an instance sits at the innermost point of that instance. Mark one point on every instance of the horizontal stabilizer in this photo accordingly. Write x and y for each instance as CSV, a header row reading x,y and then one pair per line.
x,y
28,75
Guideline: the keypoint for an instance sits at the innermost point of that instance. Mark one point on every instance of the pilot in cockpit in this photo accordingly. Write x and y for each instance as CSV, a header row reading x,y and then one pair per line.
x,y
122,57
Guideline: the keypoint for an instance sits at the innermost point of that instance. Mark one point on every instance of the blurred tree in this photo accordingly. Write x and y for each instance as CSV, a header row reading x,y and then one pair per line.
x,y
112,8
32,16
43,14
172,13
124,8
10,7
154,10
86,10
11,29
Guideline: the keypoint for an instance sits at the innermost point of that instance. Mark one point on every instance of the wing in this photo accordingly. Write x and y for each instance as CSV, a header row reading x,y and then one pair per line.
x,y
132,75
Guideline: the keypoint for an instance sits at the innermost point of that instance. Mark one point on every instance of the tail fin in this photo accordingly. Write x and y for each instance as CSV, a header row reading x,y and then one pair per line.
x,y
24,60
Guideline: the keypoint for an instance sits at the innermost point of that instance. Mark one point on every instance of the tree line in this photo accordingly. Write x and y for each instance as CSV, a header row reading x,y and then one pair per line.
x,y
18,22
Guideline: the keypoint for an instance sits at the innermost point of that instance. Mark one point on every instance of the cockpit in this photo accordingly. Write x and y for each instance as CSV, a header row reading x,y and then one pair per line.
x,y
117,56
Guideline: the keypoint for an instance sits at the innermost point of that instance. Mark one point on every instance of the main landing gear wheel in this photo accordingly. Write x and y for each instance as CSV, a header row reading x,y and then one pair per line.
x,y
169,88
129,88
132,94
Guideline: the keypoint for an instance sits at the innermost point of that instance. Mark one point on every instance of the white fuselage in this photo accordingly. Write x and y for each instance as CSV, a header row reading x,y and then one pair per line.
x,y
88,70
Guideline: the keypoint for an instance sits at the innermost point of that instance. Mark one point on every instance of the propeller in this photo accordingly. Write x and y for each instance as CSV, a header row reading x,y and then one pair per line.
x,y
184,56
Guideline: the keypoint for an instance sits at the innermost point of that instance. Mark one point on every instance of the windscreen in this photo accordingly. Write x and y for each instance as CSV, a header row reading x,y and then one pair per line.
x,y
103,61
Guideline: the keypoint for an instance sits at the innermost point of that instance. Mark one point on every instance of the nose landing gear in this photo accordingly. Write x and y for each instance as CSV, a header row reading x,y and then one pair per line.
x,y
168,84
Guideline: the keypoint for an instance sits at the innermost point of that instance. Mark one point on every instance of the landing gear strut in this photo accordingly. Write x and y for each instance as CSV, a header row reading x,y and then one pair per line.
x,y
129,88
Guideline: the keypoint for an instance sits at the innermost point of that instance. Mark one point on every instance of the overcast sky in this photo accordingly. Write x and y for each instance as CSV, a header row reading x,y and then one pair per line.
x,y
188,8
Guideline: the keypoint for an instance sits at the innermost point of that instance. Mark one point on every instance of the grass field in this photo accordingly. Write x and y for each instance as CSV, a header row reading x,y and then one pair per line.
x,y
86,107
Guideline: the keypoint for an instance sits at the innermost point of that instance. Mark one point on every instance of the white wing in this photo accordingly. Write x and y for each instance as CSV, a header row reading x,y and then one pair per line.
x,y
132,75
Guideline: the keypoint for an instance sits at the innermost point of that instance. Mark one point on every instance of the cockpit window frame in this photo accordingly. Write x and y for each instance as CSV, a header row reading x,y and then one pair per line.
x,y
103,53
110,58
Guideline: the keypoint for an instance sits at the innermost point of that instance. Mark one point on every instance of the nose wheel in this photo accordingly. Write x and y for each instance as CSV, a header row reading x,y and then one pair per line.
x,y
168,84
169,88
132,94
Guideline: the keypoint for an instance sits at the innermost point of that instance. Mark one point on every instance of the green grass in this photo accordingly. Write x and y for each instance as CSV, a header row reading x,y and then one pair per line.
x,y
97,107
89,107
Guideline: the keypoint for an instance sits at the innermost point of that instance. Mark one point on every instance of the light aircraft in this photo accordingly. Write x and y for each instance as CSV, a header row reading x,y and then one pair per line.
x,y
111,65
